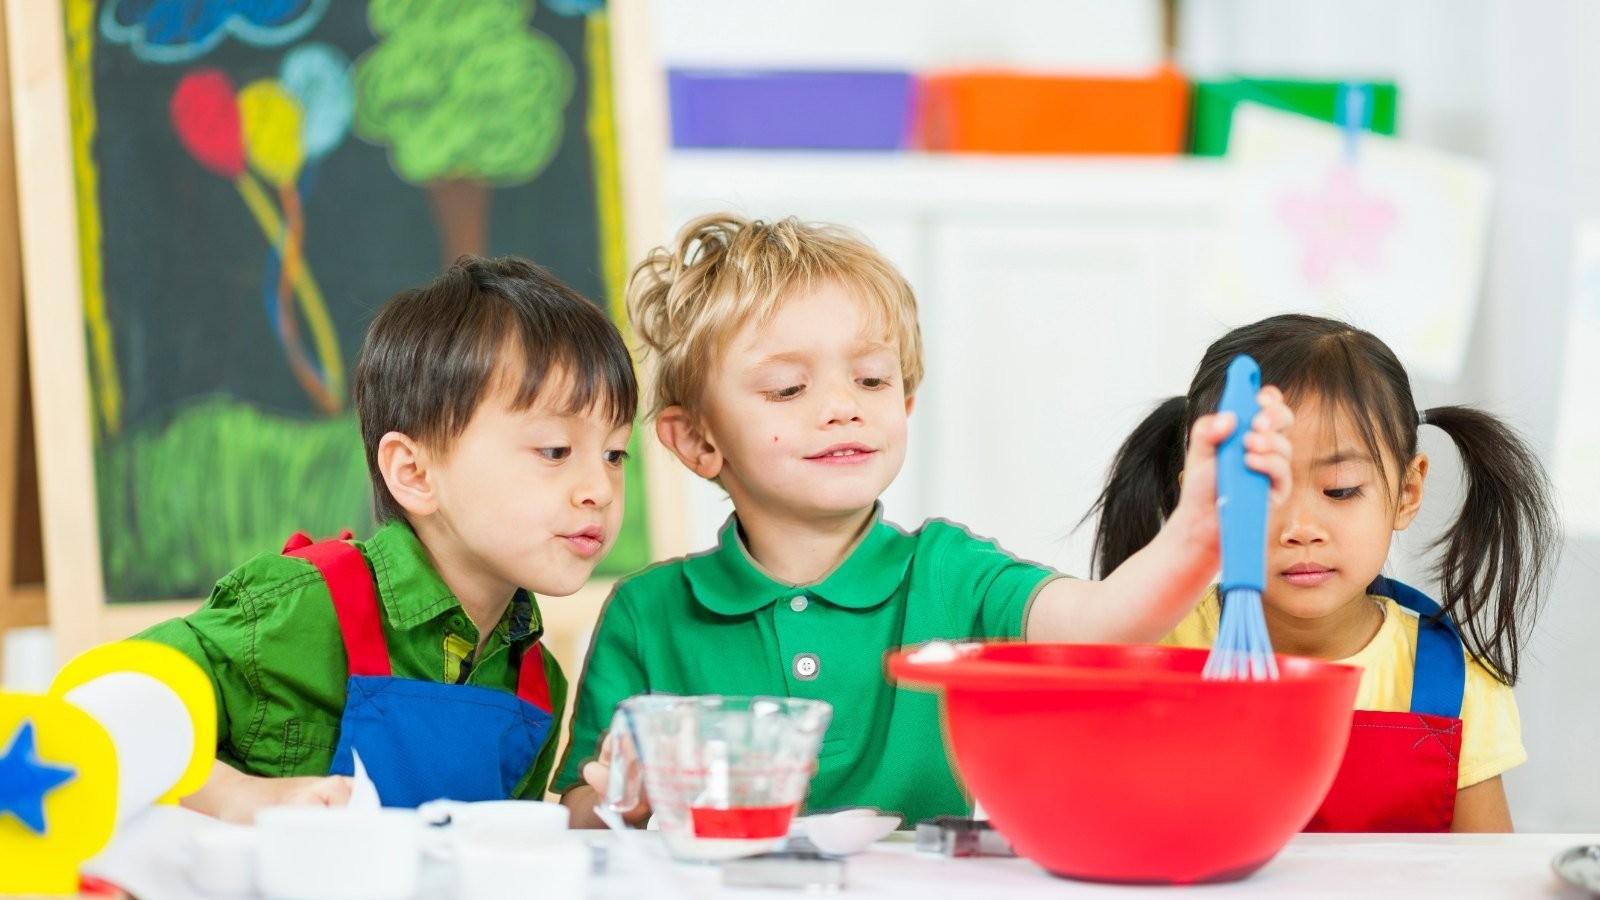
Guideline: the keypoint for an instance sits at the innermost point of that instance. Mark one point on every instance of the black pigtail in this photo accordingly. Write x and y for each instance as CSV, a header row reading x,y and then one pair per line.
x,y
1495,556
1142,487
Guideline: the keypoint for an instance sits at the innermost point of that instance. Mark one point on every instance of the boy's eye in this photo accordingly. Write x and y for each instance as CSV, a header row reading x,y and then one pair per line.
x,y
1343,493
616,457
788,393
555,454
874,383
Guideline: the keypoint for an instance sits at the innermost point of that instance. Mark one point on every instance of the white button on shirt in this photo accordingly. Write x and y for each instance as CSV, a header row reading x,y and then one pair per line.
x,y
806,666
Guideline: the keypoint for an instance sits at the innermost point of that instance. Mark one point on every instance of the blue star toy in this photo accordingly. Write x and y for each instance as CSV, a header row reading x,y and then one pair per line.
x,y
25,779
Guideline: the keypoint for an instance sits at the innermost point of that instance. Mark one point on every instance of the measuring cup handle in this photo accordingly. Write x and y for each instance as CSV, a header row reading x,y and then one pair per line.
x,y
623,781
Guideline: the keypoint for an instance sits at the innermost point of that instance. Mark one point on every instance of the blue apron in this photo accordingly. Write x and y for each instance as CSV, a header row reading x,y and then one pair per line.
x,y
423,740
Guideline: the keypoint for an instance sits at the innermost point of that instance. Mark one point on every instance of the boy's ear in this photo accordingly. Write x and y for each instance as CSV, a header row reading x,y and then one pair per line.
x,y
681,434
910,401
404,464
1410,499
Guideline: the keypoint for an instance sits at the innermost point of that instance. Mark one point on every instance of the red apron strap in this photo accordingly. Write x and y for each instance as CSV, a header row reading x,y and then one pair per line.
x,y
532,685
355,600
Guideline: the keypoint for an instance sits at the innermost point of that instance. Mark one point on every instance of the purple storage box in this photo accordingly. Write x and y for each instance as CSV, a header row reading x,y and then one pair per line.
x,y
800,110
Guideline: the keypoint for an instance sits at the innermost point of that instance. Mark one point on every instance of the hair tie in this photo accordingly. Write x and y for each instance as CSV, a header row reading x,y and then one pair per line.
x,y
1422,418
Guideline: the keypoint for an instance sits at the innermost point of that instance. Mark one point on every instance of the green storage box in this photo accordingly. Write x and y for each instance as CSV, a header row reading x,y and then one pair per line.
x,y
1212,115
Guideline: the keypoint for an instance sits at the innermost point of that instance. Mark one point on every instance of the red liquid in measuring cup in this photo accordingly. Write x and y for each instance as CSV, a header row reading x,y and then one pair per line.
x,y
741,822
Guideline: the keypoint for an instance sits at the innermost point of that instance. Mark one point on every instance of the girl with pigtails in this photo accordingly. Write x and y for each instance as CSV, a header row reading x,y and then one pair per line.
x,y
1436,724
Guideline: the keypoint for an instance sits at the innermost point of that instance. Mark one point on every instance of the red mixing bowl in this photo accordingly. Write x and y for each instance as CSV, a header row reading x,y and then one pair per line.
x,y
1120,764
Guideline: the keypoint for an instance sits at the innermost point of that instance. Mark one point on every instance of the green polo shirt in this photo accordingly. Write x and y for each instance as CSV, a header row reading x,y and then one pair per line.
x,y
716,623
270,641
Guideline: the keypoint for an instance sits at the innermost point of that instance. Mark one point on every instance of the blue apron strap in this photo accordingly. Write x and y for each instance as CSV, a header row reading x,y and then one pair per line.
x,y
1441,672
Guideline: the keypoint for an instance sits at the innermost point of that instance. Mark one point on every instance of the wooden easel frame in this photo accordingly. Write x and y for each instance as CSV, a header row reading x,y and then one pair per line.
x,y
19,606
53,291
10,342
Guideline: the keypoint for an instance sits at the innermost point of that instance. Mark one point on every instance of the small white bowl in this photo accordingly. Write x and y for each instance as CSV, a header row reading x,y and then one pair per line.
x,y
849,831
526,816
526,821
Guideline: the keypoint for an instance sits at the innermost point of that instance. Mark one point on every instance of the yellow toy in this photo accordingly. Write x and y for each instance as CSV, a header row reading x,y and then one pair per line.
x,y
122,726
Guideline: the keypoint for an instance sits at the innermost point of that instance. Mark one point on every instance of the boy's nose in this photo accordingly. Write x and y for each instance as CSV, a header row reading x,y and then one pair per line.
x,y
594,487
841,405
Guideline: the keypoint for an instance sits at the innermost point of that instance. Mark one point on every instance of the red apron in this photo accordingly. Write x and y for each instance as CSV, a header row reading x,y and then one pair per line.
x,y
1400,768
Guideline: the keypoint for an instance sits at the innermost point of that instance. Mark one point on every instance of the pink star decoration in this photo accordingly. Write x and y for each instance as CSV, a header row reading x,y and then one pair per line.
x,y
1338,223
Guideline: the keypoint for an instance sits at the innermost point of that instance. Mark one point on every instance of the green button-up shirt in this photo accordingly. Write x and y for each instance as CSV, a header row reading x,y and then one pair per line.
x,y
717,623
270,641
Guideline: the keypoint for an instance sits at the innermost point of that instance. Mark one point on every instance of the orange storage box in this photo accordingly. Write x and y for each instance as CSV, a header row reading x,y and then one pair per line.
x,y
1008,112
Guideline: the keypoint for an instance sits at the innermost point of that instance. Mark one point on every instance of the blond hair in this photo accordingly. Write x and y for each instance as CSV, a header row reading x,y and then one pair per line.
x,y
687,300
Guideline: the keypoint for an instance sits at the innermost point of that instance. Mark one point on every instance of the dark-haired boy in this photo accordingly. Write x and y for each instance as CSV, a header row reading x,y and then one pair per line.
x,y
495,407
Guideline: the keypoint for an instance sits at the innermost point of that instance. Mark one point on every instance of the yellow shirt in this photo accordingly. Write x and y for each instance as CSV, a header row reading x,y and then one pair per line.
x,y
1491,731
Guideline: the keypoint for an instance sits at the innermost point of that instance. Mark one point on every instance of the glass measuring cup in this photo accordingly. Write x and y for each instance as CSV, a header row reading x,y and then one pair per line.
x,y
724,774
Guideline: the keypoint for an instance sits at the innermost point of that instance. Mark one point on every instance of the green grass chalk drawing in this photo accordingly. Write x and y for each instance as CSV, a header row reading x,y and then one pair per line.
x,y
177,503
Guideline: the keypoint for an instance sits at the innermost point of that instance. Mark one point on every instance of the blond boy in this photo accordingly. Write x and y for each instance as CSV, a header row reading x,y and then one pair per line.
x,y
787,358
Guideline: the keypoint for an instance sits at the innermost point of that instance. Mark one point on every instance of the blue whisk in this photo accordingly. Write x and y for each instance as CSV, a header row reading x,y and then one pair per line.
x,y
1243,649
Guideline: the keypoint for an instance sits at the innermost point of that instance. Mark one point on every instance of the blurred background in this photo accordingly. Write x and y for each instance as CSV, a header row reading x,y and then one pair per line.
x,y
1084,194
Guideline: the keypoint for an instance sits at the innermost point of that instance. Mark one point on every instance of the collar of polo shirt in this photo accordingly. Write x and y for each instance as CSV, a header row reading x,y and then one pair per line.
x,y
728,580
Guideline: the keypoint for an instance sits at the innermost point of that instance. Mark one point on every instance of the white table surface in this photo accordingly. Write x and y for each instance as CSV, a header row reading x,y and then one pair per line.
x,y
1460,867
147,859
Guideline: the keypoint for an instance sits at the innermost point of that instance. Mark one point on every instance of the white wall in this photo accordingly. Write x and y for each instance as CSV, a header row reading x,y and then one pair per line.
x,y
1543,110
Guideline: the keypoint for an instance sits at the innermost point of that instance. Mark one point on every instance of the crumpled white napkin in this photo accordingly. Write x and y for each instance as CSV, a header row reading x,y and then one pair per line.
x,y
363,793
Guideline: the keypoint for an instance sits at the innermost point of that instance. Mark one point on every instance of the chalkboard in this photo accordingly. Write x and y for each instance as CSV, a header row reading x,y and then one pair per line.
x,y
254,178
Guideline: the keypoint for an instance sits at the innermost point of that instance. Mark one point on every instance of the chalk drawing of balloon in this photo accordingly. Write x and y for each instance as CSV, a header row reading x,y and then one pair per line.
x,y
314,98
318,75
230,133
272,122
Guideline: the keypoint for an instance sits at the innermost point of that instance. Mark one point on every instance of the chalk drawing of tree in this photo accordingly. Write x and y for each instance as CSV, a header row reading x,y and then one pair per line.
x,y
468,97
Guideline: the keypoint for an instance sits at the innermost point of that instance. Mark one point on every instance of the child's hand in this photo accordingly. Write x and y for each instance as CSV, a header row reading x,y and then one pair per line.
x,y
1267,451
233,796
328,790
258,793
1152,590
597,773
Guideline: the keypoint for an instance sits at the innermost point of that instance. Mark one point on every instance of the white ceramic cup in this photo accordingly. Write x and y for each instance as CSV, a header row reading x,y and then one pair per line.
x,y
333,853
492,866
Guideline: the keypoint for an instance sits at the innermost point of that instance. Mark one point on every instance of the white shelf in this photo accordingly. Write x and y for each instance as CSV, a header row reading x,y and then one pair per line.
x,y
892,183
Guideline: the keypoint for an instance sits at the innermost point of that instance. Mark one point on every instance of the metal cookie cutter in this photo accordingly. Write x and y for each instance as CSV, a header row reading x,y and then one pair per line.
x,y
961,836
